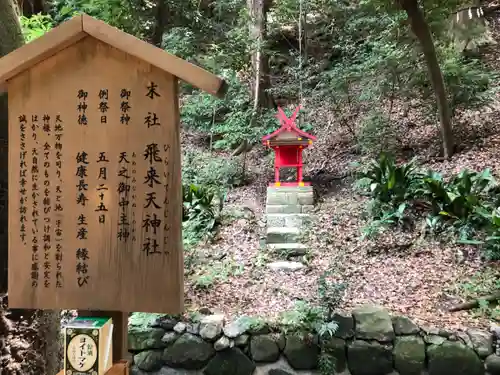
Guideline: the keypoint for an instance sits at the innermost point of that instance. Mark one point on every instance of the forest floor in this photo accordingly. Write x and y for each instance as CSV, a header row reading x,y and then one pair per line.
x,y
406,272
403,271
18,336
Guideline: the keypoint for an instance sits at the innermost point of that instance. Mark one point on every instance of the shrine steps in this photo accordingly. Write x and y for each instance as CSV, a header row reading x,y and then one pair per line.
x,y
288,209
279,235
288,250
287,220
288,216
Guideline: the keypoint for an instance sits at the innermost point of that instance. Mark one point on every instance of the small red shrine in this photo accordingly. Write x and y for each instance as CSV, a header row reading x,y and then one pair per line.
x,y
288,142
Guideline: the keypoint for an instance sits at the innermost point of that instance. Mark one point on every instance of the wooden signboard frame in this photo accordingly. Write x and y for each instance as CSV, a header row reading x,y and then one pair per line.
x,y
49,80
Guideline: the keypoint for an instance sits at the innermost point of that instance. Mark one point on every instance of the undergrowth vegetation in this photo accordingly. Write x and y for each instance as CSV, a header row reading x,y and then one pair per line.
x,y
465,205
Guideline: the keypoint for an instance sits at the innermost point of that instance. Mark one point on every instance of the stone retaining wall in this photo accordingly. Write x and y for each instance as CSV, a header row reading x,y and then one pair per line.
x,y
368,342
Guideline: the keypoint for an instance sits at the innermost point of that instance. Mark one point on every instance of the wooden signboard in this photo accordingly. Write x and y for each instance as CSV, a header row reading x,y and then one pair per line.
x,y
95,204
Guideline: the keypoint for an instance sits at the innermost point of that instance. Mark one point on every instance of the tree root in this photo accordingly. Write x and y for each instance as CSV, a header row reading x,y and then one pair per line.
x,y
475,303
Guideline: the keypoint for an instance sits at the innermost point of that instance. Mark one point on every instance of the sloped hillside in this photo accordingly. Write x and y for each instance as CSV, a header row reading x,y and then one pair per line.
x,y
405,270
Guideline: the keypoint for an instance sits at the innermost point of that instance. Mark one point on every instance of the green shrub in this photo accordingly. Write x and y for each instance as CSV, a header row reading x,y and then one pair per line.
x,y
306,318
463,203
388,182
468,81
201,212
383,218
491,236
35,26
376,133
229,118
330,293
208,170
461,197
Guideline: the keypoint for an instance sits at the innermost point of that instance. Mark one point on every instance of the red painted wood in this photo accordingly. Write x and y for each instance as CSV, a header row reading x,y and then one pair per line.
x,y
289,155
289,184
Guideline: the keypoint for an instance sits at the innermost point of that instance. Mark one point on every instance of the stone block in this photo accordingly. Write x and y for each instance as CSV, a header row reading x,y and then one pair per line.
x,y
301,354
289,189
263,348
190,352
305,198
482,342
230,362
298,220
275,220
288,220
274,198
144,338
290,195
282,235
409,355
373,323
292,198
369,358
283,209
306,209
492,364
288,249
345,323
452,358
404,326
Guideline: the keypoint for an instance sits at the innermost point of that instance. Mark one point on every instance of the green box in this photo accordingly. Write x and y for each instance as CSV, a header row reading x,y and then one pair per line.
x,y
88,347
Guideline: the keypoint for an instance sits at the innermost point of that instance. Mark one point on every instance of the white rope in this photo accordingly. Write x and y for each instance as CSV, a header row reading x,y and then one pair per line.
x,y
300,59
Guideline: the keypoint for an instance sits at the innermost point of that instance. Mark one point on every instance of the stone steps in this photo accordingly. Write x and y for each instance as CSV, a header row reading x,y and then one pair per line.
x,y
288,209
280,235
287,220
288,249
288,214
290,196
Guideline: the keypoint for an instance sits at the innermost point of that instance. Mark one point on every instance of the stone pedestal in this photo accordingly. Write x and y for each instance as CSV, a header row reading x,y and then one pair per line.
x,y
288,213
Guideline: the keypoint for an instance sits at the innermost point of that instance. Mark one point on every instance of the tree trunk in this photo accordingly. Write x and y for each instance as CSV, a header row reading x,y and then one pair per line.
x,y
10,38
43,326
31,7
260,63
160,23
421,30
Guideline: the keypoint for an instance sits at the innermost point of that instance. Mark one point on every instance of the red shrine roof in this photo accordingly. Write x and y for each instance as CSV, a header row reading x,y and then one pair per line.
x,y
288,125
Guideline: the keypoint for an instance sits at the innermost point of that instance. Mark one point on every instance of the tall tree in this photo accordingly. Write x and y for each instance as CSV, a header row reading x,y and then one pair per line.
x,y
31,7
422,31
160,22
257,10
11,38
46,324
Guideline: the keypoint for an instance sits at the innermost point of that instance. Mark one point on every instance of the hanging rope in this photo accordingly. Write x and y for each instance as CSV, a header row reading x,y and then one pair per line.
x,y
215,67
300,61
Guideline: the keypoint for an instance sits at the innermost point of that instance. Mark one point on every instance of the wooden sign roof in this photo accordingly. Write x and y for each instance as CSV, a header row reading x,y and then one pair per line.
x,y
81,26
95,195
288,127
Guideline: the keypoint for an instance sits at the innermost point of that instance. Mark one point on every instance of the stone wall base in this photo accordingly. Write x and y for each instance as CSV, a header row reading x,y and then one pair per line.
x,y
367,342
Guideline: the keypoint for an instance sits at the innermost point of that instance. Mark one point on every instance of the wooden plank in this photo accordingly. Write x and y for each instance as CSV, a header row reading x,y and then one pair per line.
x,y
176,66
85,261
38,50
120,368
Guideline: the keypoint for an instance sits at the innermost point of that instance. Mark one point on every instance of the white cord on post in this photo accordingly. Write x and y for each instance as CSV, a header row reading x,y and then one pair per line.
x,y
300,59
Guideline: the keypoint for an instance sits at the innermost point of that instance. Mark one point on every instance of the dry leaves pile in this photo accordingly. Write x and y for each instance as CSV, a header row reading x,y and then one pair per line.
x,y
18,335
418,280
